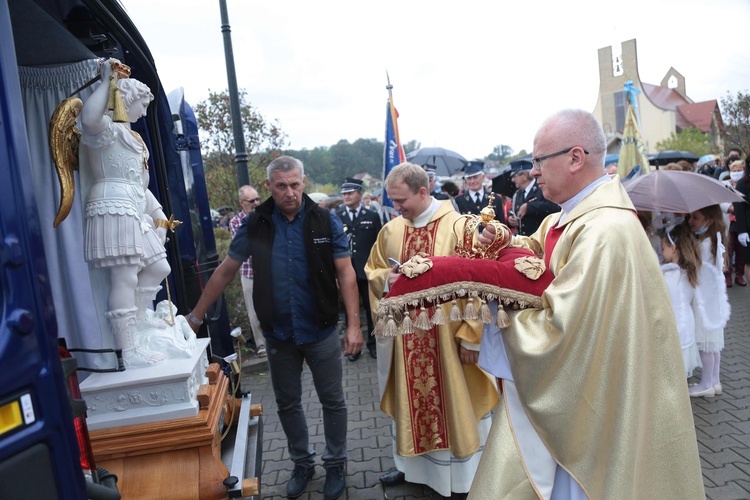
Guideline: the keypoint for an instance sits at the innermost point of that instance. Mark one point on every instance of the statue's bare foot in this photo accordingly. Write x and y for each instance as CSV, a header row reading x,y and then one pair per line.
x,y
139,356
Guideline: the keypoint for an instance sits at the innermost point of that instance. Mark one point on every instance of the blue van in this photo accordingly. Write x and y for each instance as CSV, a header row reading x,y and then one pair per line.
x,y
48,49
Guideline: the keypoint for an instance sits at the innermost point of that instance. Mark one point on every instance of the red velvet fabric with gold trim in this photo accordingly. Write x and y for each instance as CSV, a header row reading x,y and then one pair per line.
x,y
517,279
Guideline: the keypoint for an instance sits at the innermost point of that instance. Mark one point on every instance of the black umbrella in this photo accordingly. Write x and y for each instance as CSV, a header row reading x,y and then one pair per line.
x,y
502,183
671,156
446,162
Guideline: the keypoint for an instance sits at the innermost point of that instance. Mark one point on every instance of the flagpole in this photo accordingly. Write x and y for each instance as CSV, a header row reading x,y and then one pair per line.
x,y
394,116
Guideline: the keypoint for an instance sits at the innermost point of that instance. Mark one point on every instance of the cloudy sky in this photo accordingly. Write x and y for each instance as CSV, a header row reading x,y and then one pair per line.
x,y
467,75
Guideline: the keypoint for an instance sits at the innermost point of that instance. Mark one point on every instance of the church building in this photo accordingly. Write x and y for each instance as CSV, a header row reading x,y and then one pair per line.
x,y
663,109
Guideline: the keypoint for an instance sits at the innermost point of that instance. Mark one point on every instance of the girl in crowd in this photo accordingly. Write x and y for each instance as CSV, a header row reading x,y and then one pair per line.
x,y
682,262
708,225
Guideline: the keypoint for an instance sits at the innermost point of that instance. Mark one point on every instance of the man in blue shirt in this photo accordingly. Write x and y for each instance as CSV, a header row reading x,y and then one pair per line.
x,y
300,260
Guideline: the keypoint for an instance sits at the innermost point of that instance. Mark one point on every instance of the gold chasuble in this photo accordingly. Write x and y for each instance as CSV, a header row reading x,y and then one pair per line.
x,y
435,401
598,369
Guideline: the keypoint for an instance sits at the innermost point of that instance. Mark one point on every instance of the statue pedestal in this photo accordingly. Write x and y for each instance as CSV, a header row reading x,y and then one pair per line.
x,y
165,391
178,458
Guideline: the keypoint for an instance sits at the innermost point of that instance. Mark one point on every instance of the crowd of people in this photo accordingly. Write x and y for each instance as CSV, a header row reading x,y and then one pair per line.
x,y
585,397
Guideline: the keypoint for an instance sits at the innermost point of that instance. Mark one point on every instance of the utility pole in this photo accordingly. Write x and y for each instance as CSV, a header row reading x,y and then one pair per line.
x,y
240,155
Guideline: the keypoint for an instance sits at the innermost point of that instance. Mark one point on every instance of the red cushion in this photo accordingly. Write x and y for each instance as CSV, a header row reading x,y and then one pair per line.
x,y
456,272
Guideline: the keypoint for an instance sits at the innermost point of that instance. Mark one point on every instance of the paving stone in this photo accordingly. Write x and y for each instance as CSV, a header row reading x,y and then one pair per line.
x,y
714,405
741,403
722,475
368,453
745,485
730,491
722,458
717,418
745,453
719,429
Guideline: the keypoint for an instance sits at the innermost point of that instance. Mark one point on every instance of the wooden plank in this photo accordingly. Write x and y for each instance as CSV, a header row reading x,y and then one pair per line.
x,y
203,397
172,475
212,373
250,487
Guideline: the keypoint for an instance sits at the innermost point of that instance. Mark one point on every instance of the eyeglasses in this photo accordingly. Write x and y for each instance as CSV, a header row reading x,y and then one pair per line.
x,y
537,162
254,200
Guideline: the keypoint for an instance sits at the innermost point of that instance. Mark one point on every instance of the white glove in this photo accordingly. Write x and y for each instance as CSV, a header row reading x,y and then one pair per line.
x,y
743,239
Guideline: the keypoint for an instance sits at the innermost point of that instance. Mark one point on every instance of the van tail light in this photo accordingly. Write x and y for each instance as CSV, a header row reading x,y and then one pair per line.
x,y
79,415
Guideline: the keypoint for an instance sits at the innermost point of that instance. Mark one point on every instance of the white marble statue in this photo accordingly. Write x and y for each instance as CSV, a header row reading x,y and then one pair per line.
x,y
125,228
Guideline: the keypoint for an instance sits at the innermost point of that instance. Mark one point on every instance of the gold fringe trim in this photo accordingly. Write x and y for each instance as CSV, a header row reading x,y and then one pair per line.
x,y
423,321
438,318
390,327
394,317
406,324
455,314
503,320
470,310
484,313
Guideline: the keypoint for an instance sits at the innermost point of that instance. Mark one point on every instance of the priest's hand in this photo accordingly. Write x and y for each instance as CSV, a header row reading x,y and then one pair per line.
x,y
392,276
487,235
467,356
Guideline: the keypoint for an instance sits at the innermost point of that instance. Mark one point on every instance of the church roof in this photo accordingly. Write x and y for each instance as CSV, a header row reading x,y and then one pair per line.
x,y
663,97
688,114
699,114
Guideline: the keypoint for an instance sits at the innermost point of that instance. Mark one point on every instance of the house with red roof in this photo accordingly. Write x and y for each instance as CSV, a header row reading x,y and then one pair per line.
x,y
663,109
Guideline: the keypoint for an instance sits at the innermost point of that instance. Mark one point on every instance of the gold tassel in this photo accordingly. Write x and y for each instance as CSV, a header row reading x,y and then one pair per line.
x,y
406,324
455,314
485,313
503,320
470,310
438,318
380,325
390,327
115,104
423,321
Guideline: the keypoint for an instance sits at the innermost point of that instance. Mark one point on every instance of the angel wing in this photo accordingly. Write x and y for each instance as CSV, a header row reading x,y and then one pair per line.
x,y
64,138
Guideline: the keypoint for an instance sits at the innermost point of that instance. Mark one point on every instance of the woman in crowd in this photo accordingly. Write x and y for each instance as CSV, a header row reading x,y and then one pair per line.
x,y
735,251
742,220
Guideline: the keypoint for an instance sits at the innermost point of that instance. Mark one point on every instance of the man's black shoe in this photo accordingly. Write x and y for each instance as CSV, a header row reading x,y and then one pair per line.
x,y
298,482
335,482
354,357
393,477
373,352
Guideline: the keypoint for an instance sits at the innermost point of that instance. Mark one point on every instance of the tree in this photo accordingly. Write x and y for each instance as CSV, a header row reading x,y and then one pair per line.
x,y
411,146
263,142
329,165
689,139
735,111
501,153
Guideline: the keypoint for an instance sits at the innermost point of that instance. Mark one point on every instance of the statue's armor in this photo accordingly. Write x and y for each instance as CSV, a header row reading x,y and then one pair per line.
x,y
118,228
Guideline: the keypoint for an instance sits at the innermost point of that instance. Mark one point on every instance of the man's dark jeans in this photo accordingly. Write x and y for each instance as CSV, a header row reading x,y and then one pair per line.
x,y
285,360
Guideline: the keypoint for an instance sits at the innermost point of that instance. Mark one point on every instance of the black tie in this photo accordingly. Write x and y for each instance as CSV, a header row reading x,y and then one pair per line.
x,y
352,215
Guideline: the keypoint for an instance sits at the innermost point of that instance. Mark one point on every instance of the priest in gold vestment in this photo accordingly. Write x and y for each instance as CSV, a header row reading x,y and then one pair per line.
x,y
429,382
595,400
